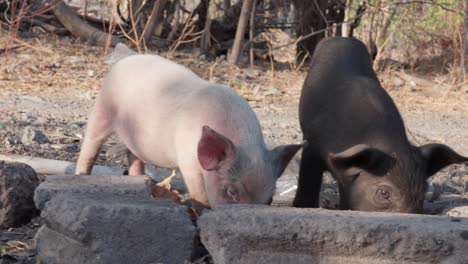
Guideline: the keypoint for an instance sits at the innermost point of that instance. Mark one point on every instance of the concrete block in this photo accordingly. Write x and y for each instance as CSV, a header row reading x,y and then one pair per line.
x,y
132,186
262,234
109,228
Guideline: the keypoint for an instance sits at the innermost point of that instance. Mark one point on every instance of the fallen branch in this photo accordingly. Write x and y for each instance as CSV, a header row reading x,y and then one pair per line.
x,y
48,27
57,167
81,29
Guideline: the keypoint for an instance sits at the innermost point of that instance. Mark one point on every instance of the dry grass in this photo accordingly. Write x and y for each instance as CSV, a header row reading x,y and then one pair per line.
x,y
13,246
421,93
48,66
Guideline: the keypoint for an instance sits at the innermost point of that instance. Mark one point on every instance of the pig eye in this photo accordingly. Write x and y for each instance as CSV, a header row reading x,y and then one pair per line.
x,y
232,194
383,193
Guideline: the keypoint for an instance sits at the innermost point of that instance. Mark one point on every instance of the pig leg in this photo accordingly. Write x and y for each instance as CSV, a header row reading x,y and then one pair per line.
x,y
135,165
195,183
196,187
310,180
98,130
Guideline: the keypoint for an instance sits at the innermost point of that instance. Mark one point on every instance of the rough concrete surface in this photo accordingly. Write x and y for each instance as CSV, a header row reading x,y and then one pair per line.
x,y
110,228
262,234
134,186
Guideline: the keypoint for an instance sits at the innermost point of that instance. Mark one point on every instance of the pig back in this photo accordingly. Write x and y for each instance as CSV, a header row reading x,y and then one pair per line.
x,y
341,57
145,93
343,103
161,107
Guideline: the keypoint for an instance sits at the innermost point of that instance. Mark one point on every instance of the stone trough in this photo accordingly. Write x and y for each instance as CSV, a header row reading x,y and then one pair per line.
x,y
110,219
263,234
114,219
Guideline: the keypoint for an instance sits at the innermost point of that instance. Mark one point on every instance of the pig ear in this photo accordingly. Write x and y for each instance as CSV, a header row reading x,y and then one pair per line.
x,y
362,157
282,155
438,156
214,149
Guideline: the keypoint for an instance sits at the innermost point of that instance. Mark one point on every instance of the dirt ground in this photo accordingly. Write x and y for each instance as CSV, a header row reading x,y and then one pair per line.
x,y
50,85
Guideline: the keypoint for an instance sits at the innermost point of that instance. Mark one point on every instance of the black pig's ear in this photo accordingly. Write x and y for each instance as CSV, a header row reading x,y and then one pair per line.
x,y
437,156
282,155
361,157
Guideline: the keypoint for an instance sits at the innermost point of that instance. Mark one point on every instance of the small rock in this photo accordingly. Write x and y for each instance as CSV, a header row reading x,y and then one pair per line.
x,y
76,125
271,91
40,121
45,146
25,117
31,135
17,184
90,73
397,82
459,211
251,73
71,148
196,52
75,60
11,142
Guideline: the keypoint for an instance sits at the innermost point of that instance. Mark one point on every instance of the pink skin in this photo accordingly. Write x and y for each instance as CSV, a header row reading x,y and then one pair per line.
x,y
169,117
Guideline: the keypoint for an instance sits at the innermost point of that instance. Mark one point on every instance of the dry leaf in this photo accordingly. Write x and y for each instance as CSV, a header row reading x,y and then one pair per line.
x,y
166,183
163,190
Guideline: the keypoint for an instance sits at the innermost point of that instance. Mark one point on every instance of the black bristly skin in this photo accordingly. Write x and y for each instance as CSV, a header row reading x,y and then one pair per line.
x,y
354,130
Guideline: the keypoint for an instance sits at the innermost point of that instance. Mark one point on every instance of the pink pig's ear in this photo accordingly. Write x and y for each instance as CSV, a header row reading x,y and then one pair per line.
x,y
214,149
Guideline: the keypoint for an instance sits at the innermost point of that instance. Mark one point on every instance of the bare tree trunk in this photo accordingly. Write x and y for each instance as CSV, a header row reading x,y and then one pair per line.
x,y
241,26
252,32
205,42
176,23
465,38
80,28
389,13
227,6
335,14
357,19
344,27
202,11
155,18
371,46
311,19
